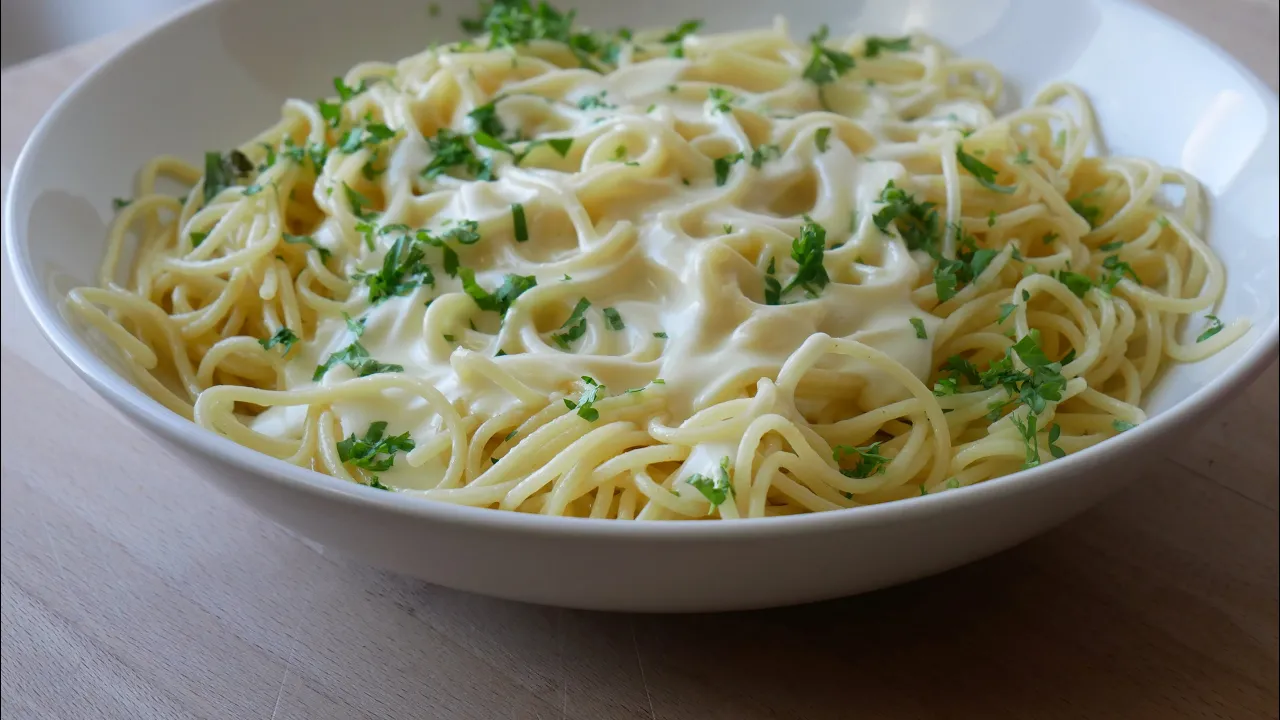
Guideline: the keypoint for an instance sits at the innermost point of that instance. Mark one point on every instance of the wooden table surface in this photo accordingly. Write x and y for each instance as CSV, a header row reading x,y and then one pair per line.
x,y
133,590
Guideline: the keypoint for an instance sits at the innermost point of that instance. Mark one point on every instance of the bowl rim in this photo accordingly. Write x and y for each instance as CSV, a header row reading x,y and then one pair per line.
x,y
142,408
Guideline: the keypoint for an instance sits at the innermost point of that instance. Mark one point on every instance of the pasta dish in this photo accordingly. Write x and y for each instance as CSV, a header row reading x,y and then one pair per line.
x,y
662,274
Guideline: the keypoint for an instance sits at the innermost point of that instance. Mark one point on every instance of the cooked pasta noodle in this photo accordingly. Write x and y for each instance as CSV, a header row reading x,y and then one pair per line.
x,y
662,275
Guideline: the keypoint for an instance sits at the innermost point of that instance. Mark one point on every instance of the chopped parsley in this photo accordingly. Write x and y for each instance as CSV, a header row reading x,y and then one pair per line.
x,y
1006,309
807,251
685,29
826,64
875,45
820,138
284,337
1078,284
120,203
1113,270
222,171
486,120
560,145
575,327
501,300
950,276
1023,157
613,319
985,174
369,135
916,222
585,404
1091,213
403,269
519,223
722,166
660,335
763,154
595,102
356,357
1122,425
199,237
1111,246
918,324
374,451
716,488
360,205
299,240
721,99
1215,327
869,461
452,151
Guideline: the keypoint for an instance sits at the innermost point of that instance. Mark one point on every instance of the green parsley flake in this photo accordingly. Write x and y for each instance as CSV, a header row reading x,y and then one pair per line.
x,y
985,174
820,138
356,357
613,319
1215,327
374,451
574,327
283,337
716,488
585,405
518,220
918,324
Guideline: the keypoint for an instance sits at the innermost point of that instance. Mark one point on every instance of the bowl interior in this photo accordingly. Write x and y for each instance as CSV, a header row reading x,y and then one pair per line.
x,y
218,74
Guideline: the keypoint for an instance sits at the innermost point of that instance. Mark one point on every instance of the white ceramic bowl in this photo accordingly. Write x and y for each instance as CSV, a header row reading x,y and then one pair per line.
x,y
219,72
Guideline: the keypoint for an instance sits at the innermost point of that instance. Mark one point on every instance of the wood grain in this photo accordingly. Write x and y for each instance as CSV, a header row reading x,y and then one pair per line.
x,y
131,589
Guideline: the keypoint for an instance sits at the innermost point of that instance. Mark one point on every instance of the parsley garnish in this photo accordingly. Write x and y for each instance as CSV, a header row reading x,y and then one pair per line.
x,y
950,276
820,138
918,324
374,451
356,357
299,239
222,171
199,237
869,460
486,120
451,150
1113,269
614,319
1122,425
575,327
586,402
594,102
369,136
722,99
660,335
360,205
1006,309
1091,213
402,270
826,64
685,29
1078,284
284,337
1215,327
716,488
501,300
772,288
120,203
518,221
807,250
877,44
764,153
985,174
722,165
916,222
560,145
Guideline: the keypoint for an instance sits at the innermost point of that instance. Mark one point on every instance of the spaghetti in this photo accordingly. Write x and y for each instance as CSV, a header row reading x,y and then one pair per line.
x,y
662,275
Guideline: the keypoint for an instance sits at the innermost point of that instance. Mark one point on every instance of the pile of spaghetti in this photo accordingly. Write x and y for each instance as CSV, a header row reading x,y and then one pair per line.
x,y
662,274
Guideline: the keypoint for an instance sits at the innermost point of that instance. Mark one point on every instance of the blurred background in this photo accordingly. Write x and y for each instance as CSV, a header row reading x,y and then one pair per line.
x,y
34,27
